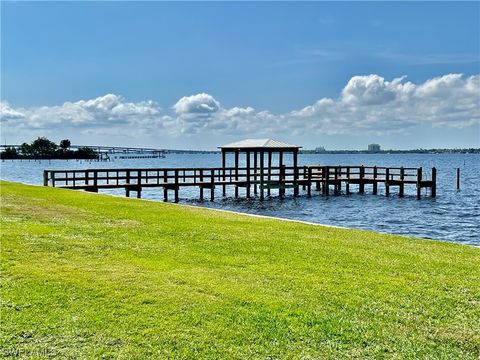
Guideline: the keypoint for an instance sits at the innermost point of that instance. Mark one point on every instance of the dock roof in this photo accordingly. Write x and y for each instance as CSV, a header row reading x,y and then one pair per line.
x,y
268,144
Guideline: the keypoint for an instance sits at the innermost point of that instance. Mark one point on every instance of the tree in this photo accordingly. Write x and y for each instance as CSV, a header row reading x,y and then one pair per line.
x,y
9,153
86,153
65,144
25,149
43,147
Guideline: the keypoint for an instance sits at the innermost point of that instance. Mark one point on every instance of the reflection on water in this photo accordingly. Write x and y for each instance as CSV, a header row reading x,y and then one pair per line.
x,y
453,215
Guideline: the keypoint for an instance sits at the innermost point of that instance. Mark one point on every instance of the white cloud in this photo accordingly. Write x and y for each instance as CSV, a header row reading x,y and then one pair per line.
x,y
366,105
7,113
197,104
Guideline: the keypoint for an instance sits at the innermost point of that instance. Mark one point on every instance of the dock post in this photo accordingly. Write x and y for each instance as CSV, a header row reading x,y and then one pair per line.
x,y
236,174
335,177
347,185
139,193
309,185
127,192
281,190
361,186
248,175
269,172
326,186
165,189
281,175
339,178
375,185
224,187
261,174
402,184
305,175
295,173
458,178
201,184
387,184
45,178
255,165
212,188
434,182
176,186
419,182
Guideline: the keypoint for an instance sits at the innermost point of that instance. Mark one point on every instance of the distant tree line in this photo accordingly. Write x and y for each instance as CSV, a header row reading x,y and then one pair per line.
x,y
414,151
42,148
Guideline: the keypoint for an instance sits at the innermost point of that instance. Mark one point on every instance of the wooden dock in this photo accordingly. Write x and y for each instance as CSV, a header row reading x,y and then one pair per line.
x,y
262,180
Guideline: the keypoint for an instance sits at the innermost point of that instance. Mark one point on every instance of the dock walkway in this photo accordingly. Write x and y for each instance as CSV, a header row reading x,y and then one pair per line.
x,y
261,180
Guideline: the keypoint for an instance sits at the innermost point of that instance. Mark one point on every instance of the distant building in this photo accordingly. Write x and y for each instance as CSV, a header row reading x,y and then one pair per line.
x,y
320,149
373,148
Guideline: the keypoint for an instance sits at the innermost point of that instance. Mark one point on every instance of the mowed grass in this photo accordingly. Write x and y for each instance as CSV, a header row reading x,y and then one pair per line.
x,y
91,276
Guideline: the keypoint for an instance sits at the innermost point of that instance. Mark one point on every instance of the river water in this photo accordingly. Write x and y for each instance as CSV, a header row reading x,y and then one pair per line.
x,y
454,215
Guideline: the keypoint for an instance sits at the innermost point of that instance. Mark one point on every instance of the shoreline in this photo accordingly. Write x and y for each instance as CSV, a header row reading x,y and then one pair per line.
x,y
259,216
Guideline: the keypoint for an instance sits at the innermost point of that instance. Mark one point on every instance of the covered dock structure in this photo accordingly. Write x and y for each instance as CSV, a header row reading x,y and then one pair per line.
x,y
258,157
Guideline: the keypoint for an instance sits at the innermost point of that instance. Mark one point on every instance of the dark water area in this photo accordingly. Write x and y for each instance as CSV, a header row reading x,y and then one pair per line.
x,y
454,215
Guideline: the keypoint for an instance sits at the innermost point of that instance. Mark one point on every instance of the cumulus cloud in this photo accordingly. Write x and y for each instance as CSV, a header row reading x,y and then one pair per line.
x,y
367,104
100,115
7,113
197,104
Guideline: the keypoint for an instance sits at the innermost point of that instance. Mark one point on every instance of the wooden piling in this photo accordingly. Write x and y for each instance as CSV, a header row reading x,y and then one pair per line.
x,y
326,184
248,175
387,182
401,190
434,182
45,178
212,188
281,190
335,177
419,183
176,186
201,185
165,189
305,176
339,178
261,175
224,187
309,186
361,186
458,178
255,166
295,173
269,172
281,175
347,185
375,185
236,173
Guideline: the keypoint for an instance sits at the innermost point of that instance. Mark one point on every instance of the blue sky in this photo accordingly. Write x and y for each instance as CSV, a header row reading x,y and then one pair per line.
x,y
242,70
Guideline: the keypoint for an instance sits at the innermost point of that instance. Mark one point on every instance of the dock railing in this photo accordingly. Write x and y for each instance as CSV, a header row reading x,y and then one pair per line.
x,y
323,177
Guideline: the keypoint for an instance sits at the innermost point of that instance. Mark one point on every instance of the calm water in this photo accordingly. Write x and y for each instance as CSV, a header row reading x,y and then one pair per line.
x,y
453,215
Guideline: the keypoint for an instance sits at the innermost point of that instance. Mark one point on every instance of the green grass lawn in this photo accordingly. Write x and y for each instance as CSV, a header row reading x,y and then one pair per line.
x,y
90,276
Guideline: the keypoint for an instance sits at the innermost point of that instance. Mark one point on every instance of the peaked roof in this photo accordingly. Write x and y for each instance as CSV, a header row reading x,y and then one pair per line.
x,y
259,144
